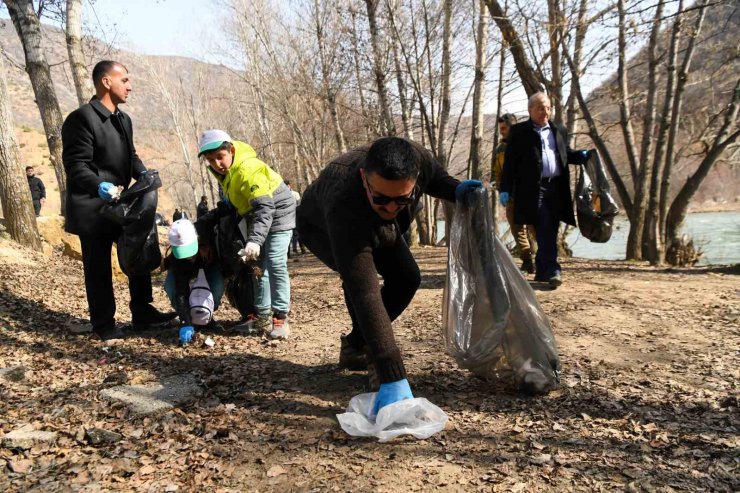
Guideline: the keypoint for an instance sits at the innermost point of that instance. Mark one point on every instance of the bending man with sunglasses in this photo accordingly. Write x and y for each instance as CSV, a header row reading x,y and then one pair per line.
x,y
352,217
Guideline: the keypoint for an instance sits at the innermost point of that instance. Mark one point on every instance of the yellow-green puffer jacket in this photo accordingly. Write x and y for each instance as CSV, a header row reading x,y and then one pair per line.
x,y
258,192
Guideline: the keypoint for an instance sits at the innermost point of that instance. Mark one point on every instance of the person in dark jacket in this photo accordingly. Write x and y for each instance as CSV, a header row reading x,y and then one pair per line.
x,y
177,215
537,177
202,208
100,160
193,248
38,190
352,218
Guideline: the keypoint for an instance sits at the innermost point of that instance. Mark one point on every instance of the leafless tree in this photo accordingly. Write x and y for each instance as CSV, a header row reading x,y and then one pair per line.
x,y
83,85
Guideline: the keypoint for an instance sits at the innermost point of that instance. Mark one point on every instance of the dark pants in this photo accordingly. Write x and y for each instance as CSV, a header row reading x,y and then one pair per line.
x,y
96,262
395,264
37,207
548,222
296,242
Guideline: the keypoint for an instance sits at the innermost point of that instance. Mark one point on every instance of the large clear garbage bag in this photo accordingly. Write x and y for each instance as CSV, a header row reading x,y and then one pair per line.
x,y
493,324
138,245
416,417
595,206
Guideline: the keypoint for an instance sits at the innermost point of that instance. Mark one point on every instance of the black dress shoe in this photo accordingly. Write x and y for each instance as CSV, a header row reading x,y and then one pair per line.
x,y
149,318
110,333
528,266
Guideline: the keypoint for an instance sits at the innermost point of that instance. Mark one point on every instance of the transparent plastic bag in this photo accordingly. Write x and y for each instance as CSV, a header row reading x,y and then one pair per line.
x,y
595,206
417,417
493,323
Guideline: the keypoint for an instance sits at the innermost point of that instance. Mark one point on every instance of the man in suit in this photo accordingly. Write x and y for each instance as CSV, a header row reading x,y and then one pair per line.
x,y
537,177
100,160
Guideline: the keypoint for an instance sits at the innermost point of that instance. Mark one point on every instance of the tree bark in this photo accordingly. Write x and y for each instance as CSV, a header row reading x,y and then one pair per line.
x,y
555,32
524,68
388,124
476,135
82,81
28,27
15,195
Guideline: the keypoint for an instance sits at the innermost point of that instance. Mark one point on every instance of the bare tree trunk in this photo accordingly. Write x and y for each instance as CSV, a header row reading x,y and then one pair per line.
x,y
637,225
446,103
329,92
727,136
27,26
358,71
682,78
571,121
408,130
15,196
555,33
389,125
653,249
476,136
524,68
83,84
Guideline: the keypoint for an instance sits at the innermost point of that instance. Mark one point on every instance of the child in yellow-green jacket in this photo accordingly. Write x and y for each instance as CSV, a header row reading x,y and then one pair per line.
x,y
259,194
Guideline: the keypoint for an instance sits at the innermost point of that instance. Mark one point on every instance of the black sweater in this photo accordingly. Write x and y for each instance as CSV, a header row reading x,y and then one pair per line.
x,y
335,206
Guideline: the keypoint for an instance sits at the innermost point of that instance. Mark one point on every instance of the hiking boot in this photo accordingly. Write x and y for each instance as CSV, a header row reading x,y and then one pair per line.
x,y
280,328
527,266
149,318
555,280
110,334
350,357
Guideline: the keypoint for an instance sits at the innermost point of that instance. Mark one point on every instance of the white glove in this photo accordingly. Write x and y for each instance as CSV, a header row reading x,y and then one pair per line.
x,y
250,252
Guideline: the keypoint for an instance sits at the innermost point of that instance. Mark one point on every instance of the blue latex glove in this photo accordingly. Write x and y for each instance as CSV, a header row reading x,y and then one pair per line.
x,y
104,190
503,198
186,334
392,392
584,155
465,187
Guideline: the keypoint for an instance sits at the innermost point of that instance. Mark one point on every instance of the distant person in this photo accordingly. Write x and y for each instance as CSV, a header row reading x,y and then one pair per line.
x,y
100,160
258,193
177,215
537,177
38,190
296,238
352,218
202,208
520,232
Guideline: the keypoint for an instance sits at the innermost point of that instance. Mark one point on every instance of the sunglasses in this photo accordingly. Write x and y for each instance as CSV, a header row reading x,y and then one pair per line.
x,y
380,199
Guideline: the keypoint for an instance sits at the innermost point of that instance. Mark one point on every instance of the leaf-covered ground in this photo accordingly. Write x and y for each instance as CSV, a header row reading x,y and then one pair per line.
x,y
648,402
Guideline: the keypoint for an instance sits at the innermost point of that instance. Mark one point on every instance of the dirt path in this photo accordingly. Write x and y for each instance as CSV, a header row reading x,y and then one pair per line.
x,y
648,402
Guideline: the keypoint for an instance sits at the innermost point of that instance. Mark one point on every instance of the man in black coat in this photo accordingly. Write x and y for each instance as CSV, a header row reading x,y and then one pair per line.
x,y
38,191
100,160
537,177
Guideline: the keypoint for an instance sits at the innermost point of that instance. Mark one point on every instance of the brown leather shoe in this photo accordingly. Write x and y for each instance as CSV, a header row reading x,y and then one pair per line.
x,y
350,357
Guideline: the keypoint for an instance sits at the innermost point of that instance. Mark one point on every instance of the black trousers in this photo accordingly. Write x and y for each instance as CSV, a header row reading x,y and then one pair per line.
x,y
37,207
548,222
96,262
395,264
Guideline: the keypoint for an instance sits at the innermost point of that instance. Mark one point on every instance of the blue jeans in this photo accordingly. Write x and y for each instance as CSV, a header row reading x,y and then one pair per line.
x,y
272,290
215,279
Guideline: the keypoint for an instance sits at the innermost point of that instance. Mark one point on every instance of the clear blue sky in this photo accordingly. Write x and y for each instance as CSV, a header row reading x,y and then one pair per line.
x,y
155,27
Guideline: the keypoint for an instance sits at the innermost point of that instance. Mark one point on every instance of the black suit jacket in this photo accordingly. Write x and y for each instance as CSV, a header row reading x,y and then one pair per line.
x,y
98,146
523,171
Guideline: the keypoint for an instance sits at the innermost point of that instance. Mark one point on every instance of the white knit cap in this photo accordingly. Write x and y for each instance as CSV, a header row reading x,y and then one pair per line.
x,y
211,140
183,239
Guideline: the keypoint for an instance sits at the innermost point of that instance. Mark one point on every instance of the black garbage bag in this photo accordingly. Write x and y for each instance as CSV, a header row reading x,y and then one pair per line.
x,y
231,236
493,324
595,206
138,245
240,289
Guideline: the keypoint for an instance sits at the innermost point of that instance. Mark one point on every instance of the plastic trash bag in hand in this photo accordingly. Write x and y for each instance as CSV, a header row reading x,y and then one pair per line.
x,y
595,206
417,417
493,323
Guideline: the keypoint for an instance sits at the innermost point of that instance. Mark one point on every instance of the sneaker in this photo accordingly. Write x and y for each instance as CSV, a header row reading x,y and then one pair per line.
x,y
149,318
527,266
555,280
247,325
350,357
280,328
